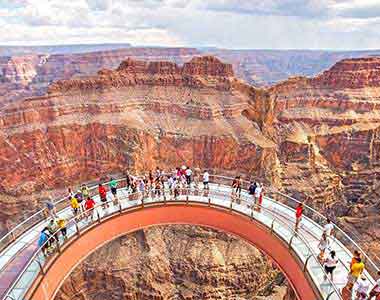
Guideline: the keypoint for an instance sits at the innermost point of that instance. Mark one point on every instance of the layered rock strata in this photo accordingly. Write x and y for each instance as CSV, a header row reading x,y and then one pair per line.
x,y
314,138
174,262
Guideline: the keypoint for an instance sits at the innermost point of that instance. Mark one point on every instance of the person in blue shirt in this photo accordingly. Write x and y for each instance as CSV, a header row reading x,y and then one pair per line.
x,y
43,241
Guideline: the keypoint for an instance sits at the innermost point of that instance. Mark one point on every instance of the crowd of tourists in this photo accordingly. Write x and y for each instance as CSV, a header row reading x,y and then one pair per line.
x,y
157,183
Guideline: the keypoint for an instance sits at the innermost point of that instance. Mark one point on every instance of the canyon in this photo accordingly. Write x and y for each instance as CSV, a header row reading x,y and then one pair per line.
x,y
315,138
175,262
28,71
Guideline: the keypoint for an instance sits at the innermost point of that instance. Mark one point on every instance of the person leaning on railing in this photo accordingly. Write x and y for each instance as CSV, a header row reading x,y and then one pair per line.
x,y
74,204
43,241
89,206
61,222
53,230
113,188
50,206
103,195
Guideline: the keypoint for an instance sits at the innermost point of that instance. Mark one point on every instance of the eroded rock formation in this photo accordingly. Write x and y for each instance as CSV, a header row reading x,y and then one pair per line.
x,y
175,262
27,71
314,138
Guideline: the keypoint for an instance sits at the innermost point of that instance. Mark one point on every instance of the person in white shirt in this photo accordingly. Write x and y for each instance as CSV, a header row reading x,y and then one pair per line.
x,y
170,182
328,229
323,245
188,174
257,193
375,292
330,265
206,176
362,288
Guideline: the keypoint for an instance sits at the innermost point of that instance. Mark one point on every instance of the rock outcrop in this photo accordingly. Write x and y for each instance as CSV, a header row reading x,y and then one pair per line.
x,y
175,262
132,72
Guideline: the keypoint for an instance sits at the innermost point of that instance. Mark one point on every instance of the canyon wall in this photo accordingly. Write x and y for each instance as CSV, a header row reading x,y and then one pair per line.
x,y
175,262
28,71
136,117
315,138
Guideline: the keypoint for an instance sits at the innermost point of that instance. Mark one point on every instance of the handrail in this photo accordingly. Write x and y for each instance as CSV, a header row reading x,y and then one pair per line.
x,y
98,219
41,211
336,227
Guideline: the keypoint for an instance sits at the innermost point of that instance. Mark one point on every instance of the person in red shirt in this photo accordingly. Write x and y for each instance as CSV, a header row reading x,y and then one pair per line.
x,y
89,205
299,211
103,195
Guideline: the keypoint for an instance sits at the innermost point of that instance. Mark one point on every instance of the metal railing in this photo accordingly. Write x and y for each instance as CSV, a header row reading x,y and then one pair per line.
x,y
339,234
82,222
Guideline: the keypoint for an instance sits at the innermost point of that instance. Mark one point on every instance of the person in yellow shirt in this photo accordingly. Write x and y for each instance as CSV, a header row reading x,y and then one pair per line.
x,y
74,205
61,222
357,268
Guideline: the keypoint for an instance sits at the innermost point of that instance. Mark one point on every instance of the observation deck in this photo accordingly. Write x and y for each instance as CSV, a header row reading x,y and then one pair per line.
x,y
26,274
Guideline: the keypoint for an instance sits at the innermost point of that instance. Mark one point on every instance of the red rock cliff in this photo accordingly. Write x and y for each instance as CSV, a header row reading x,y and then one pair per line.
x,y
315,138
351,74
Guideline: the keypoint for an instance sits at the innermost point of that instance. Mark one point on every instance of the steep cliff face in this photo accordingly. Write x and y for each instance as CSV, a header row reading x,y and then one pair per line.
x,y
326,131
315,138
138,116
174,262
295,134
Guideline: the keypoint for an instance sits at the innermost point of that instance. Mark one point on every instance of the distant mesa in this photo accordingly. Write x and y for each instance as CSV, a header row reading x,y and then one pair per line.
x,y
198,66
351,73
132,72
207,66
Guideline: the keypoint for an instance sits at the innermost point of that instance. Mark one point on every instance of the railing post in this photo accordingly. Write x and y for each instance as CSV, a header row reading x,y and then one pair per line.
x,y
120,208
77,228
291,240
142,202
209,201
41,268
13,235
98,215
272,226
329,295
307,260
58,246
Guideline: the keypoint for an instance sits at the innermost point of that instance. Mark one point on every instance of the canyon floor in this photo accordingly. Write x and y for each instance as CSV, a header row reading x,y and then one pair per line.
x,y
176,262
